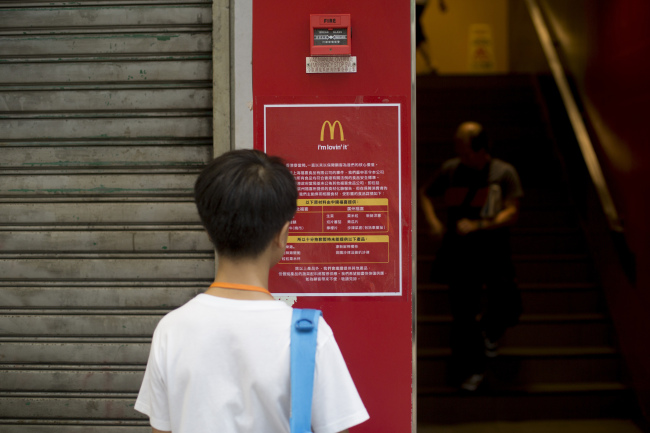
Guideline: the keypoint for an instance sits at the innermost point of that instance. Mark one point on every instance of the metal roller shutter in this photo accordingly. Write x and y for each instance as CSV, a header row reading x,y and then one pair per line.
x,y
106,117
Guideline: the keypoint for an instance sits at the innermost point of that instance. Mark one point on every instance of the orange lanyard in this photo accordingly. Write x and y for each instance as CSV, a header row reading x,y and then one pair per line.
x,y
240,287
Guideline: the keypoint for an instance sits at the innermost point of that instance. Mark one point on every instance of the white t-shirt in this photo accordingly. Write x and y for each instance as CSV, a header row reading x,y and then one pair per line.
x,y
222,365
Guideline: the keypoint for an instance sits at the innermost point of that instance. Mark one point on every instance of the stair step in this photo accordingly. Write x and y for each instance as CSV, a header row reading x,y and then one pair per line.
x,y
580,330
547,241
460,81
515,367
552,216
445,405
521,112
537,299
436,147
499,127
534,171
594,425
531,351
530,268
537,388
541,197
547,216
531,318
526,241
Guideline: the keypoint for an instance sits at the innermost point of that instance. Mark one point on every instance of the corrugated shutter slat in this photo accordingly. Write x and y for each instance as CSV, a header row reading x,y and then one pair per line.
x,y
105,121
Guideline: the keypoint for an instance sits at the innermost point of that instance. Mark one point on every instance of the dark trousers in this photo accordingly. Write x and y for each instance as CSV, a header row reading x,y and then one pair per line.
x,y
475,263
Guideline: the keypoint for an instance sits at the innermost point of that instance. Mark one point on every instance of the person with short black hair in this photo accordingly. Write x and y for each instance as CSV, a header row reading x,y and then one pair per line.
x,y
251,194
481,197
220,363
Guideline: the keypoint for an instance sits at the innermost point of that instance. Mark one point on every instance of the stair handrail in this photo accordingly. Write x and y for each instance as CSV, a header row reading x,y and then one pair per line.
x,y
575,117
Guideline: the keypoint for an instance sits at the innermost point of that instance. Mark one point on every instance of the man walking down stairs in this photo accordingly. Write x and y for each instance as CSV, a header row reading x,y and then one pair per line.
x,y
482,196
561,361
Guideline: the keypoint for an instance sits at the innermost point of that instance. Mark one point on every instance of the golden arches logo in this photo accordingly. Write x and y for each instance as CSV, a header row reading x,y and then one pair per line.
x,y
332,127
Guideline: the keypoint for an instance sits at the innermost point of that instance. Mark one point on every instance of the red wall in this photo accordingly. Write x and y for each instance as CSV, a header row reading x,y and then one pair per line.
x,y
607,47
616,82
374,333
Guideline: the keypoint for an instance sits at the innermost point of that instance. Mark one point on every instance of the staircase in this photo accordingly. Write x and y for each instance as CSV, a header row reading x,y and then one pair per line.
x,y
561,361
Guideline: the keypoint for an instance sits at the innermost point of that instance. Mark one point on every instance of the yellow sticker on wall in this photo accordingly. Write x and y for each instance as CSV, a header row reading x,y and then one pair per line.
x,y
481,49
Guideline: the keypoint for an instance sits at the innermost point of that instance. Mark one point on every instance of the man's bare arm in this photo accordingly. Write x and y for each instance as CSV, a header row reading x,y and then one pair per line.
x,y
437,229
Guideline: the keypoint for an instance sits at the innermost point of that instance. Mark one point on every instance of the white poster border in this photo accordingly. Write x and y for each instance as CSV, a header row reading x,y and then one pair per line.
x,y
399,175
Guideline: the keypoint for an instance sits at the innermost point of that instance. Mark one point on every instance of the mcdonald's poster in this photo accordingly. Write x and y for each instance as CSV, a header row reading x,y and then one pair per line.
x,y
346,237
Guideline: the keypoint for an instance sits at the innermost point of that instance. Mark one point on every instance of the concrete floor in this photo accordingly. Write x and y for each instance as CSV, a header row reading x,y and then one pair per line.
x,y
564,426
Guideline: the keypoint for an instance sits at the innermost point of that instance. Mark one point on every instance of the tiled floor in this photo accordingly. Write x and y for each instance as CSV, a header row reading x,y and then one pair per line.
x,y
572,426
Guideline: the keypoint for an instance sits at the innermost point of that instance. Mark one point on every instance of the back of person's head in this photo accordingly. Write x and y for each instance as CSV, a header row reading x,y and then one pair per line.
x,y
474,134
480,141
244,198
472,145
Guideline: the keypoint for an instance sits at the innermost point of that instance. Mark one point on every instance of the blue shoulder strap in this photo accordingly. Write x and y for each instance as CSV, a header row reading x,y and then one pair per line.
x,y
304,330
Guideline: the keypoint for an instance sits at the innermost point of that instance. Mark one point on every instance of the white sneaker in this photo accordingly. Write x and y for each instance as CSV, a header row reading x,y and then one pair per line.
x,y
491,347
472,383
